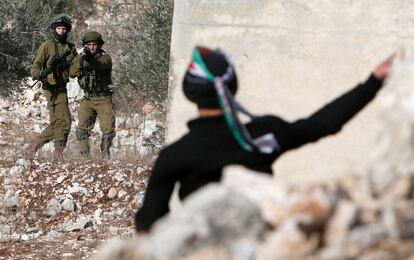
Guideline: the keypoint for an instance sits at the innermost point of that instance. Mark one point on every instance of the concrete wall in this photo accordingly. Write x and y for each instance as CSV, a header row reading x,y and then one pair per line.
x,y
292,57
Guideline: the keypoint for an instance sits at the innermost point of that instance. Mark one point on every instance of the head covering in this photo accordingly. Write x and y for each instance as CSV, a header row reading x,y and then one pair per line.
x,y
61,20
210,82
197,87
92,36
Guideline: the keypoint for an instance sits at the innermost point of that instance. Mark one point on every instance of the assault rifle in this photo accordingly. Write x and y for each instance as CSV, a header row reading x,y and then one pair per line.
x,y
55,62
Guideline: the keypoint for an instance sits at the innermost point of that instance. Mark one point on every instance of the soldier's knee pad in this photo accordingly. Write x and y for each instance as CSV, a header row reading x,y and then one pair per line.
x,y
81,134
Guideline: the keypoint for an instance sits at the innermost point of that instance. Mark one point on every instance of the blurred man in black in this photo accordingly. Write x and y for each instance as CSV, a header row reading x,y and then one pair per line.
x,y
217,138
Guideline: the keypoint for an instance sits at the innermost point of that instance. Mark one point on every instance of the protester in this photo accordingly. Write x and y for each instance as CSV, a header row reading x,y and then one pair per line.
x,y
217,138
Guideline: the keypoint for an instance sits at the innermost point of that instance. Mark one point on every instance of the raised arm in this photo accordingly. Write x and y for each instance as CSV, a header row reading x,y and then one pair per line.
x,y
332,117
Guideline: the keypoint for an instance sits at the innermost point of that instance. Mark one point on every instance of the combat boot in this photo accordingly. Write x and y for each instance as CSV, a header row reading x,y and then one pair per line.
x,y
58,152
106,143
58,155
85,149
82,135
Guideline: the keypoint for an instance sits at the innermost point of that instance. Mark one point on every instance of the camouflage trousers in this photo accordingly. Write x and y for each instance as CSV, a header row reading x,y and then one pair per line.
x,y
59,118
90,109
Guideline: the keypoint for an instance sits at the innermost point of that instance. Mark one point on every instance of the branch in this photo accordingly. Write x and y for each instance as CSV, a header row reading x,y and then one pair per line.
x,y
8,56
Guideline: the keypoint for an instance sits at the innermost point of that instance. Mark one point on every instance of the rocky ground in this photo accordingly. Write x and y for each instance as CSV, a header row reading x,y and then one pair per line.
x,y
253,216
67,209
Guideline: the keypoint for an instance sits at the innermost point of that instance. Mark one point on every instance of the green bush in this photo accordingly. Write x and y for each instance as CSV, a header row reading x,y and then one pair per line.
x,y
23,27
141,44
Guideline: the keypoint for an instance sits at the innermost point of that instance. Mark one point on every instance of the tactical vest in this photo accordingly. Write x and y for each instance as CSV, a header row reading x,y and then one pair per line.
x,y
60,73
94,83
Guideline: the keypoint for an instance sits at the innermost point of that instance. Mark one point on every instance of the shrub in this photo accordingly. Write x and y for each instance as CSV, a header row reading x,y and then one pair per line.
x,y
142,65
23,27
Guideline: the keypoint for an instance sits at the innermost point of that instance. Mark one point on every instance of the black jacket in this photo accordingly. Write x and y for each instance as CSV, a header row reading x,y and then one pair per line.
x,y
199,156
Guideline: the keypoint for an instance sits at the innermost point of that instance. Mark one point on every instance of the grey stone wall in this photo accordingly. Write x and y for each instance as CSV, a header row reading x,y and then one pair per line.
x,y
291,58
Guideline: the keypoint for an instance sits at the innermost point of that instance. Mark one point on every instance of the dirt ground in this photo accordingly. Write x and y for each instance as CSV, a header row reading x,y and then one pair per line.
x,y
27,232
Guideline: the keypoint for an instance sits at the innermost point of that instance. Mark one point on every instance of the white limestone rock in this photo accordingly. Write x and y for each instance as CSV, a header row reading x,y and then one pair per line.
x,y
61,178
150,127
11,202
74,91
36,128
16,171
68,205
53,207
23,163
121,194
215,215
76,188
5,104
288,242
338,228
81,223
112,193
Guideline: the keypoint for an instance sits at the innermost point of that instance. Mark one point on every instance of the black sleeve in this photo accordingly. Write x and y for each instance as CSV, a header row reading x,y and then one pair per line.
x,y
329,119
158,193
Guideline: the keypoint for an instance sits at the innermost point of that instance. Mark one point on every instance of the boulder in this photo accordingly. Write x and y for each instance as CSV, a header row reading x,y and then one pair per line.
x,y
287,242
81,223
53,207
279,200
68,204
339,225
214,216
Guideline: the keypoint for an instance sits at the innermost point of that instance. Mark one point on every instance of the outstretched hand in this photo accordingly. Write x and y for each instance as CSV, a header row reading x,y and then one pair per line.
x,y
382,70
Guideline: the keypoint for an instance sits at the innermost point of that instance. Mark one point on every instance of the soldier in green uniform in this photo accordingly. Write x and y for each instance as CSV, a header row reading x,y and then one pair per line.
x,y
50,55
93,69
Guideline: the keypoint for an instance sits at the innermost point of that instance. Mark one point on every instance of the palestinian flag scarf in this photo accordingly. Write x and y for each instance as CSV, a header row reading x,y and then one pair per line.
x,y
265,144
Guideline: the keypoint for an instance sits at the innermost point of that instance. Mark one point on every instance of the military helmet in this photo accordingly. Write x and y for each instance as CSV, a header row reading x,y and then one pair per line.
x,y
61,19
92,36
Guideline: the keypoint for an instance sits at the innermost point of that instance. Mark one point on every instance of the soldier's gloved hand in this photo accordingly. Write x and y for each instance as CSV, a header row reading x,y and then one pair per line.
x,y
87,55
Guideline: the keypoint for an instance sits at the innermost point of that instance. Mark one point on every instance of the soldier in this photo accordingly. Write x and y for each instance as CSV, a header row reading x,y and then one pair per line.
x,y
93,69
51,67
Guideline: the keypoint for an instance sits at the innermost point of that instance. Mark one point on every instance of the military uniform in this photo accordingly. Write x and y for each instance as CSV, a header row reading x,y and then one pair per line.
x,y
54,86
94,77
